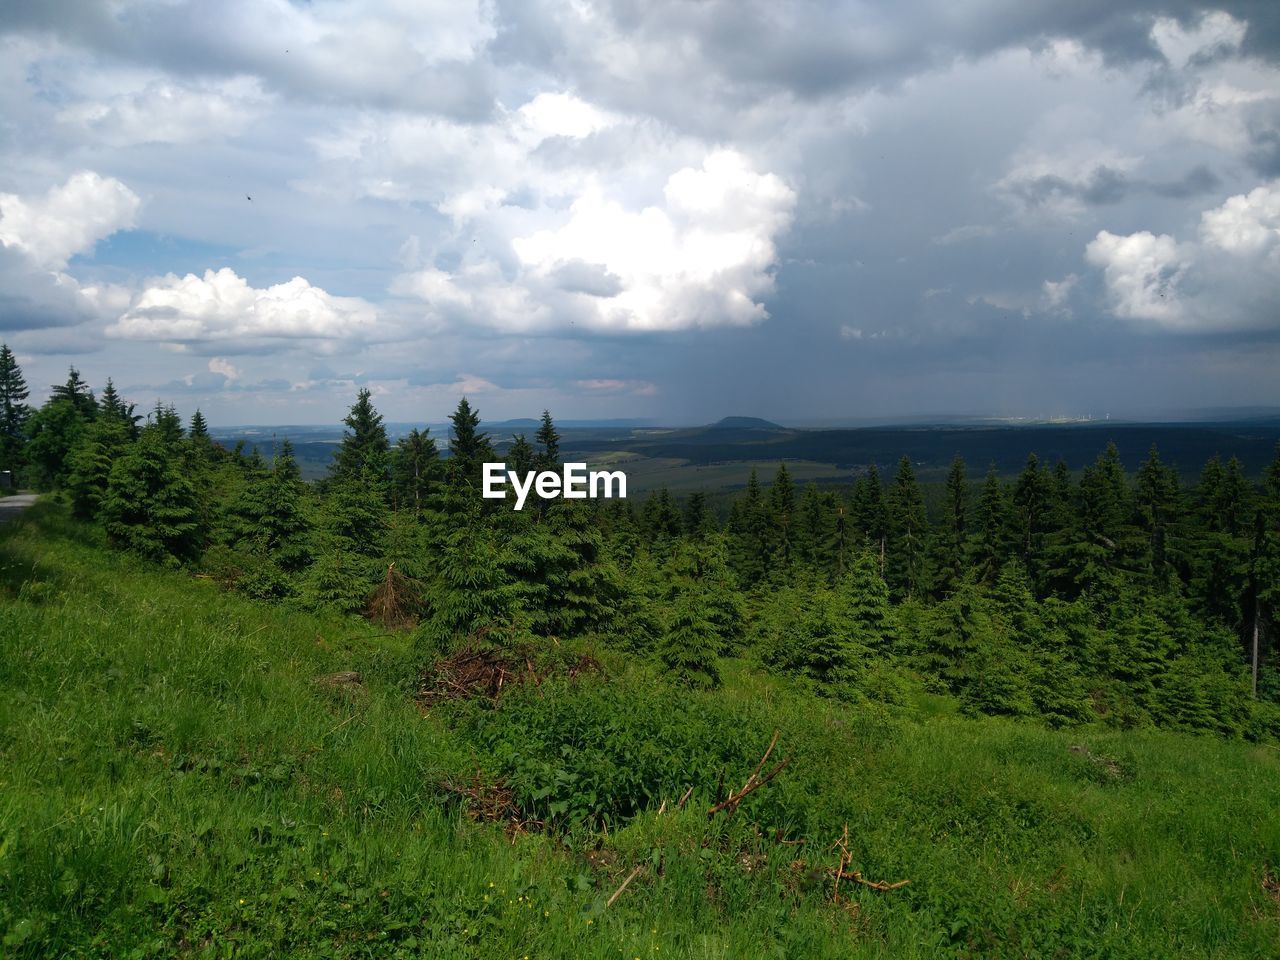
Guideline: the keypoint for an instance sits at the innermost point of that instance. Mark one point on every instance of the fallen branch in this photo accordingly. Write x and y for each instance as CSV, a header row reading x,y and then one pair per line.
x,y
617,893
754,782
846,859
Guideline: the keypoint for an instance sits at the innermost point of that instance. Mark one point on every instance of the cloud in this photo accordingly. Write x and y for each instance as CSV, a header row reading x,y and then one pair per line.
x,y
222,307
701,258
1247,224
639,388
163,111
1225,279
1142,273
66,220
224,367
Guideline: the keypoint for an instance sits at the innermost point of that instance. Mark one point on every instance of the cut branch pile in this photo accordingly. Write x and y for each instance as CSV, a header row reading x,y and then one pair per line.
x,y
491,801
477,671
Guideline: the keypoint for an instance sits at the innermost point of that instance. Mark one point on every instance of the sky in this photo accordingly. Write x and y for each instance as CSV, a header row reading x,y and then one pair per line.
x,y
674,211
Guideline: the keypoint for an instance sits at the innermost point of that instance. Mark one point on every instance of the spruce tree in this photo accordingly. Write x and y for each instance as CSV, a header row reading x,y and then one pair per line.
x,y
690,644
415,470
469,448
90,463
952,541
906,559
77,393
995,539
14,412
521,457
150,506
364,452
748,535
870,513
548,440
781,508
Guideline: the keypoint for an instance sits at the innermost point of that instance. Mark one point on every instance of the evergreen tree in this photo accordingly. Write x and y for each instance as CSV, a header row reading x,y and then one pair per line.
x,y
698,521
469,448
53,432
77,393
549,441
953,537
870,513
521,457
113,406
415,469
747,528
905,569
690,644
89,465
14,412
150,507
365,451
781,508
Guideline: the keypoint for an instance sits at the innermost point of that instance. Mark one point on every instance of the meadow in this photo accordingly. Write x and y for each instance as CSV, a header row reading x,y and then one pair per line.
x,y
175,781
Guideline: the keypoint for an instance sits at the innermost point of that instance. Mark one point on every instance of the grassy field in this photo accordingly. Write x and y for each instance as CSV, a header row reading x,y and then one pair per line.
x,y
173,782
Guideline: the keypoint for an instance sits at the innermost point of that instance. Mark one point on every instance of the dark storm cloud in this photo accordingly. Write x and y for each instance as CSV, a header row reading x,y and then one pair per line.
x,y
32,299
1106,185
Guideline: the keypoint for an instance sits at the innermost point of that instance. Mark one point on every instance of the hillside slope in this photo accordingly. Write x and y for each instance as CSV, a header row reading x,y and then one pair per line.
x,y
176,783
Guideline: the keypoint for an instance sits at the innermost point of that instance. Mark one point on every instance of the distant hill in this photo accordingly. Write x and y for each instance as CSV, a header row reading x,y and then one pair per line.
x,y
745,423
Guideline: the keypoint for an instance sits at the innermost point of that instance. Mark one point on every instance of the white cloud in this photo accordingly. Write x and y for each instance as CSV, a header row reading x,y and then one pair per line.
x,y
1228,278
224,367
1215,32
702,258
1245,224
1142,272
221,306
66,220
162,111
1055,294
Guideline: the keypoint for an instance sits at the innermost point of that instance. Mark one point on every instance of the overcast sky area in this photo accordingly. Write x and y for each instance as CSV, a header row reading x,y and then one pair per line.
x,y
677,211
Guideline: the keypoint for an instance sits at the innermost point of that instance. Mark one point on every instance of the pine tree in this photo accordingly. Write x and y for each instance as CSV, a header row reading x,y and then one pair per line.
x,y
549,440
906,566
364,452
747,530
150,507
995,539
415,470
690,644
14,412
469,448
521,457
76,392
781,508
90,463
952,541
659,516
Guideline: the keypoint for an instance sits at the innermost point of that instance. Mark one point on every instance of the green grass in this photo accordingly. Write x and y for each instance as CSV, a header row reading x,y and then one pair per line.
x,y
173,782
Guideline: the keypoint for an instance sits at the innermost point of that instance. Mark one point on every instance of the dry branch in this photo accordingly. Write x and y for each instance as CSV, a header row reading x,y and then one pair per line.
x,y
753,782
617,893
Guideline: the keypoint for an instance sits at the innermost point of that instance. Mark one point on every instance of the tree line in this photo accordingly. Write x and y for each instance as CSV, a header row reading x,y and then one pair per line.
x,y
1058,595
